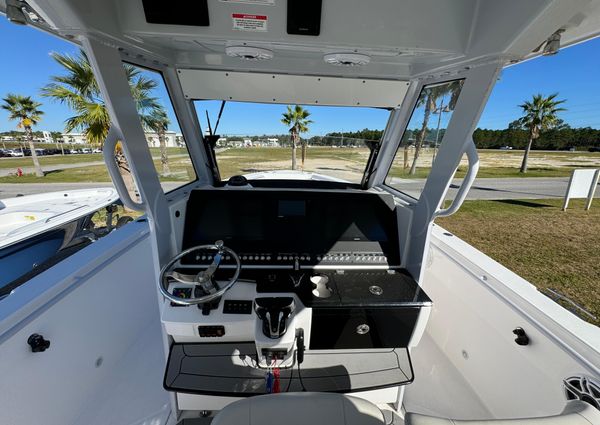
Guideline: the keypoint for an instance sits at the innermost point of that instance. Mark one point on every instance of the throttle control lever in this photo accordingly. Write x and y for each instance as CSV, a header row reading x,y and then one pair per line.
x,y
274,313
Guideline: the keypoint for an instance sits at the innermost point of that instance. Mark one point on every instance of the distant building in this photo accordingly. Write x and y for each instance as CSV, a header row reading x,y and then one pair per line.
x,y
235,143
74,138
221,142
47,137
172,139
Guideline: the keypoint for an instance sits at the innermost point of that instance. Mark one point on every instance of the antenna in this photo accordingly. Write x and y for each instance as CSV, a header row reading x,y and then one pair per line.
x,y
219,117
208,119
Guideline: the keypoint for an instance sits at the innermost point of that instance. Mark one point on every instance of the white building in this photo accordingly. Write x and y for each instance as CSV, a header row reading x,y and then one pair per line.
x,y
47,137
173,140
76,138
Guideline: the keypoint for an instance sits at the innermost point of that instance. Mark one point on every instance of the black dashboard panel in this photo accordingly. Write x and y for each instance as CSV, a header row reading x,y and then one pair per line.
x,y
283,227
178,12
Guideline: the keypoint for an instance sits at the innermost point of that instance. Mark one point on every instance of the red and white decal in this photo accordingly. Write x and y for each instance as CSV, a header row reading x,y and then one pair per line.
x,y
260,2
248,22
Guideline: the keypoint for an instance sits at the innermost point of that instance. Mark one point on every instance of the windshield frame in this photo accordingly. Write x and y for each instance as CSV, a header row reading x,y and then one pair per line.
x,y
360,149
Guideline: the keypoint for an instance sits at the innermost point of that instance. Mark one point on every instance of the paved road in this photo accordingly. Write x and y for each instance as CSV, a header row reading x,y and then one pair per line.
x,y
485,188
502,188
47,168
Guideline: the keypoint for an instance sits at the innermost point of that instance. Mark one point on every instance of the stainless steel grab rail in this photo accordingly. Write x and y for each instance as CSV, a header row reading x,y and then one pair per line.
x,y
108,152
468,181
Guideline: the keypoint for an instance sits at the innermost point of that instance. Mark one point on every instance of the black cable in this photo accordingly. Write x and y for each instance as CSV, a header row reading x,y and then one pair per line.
x,y
287,390
292,369
300,377
300,353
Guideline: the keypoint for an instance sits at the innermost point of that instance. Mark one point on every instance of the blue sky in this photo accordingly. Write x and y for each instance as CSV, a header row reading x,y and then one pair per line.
x,y
26,67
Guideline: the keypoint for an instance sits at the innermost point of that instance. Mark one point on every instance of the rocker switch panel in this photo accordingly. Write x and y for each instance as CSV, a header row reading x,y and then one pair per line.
x,y
237,307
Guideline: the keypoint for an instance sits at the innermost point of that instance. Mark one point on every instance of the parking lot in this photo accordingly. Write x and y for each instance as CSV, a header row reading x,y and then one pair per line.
x,y
22,152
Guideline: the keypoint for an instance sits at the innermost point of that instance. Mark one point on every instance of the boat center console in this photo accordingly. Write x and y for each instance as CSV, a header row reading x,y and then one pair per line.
x,y
290,290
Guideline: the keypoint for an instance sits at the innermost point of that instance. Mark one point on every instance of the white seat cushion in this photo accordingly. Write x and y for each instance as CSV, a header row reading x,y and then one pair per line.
x,y
576,413
300,409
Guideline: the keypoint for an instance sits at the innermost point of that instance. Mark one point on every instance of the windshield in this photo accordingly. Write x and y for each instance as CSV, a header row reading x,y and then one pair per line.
x,y
314,142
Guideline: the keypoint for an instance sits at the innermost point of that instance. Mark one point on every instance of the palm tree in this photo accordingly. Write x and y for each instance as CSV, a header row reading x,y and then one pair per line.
x,y
27,114
297,119
79,90
540,115
158,121
428,99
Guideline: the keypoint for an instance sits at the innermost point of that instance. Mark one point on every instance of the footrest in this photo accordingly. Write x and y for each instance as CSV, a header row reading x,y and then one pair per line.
x,y
230,369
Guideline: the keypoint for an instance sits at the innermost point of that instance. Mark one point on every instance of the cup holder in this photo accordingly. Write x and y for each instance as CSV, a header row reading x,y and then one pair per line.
x,y
320,288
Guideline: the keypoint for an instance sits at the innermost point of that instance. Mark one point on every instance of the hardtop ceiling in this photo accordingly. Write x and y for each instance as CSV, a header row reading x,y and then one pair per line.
x,y
403,39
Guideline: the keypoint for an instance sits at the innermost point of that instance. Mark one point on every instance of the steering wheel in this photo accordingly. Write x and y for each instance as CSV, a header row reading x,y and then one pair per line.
x,y
204,279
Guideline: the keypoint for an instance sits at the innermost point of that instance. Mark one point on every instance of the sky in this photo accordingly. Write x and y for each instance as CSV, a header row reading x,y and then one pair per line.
x,y
26,66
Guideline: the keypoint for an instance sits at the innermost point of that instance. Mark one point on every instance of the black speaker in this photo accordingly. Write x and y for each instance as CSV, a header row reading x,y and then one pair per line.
x,y
304,17
177,12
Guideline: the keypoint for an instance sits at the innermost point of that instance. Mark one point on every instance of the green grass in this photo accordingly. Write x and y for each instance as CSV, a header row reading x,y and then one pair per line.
x,y
49,160
91,174
99,217
514,172
534,238
247,160
181,170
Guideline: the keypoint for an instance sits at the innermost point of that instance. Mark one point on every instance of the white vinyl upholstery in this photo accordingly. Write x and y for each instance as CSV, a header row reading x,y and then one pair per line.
x,y
576,413
300,409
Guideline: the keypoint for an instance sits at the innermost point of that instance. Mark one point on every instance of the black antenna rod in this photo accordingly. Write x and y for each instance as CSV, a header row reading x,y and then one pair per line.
x,y
208,119
219,117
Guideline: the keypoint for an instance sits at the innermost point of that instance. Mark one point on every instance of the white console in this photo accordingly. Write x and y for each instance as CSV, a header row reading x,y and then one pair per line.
x,y
186,324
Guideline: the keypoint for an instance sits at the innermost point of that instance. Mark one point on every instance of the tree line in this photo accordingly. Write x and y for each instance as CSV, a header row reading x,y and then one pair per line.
x,y
562,138
554,139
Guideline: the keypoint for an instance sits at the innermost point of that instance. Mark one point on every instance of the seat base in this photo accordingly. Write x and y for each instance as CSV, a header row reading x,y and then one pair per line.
x,y
305,408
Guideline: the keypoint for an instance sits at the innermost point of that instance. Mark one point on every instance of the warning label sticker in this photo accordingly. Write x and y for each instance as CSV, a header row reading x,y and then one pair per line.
x,y
246,22
262,2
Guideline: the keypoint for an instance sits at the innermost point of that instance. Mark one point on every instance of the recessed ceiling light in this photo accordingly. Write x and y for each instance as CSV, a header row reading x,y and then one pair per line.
x,y
346,59
249,53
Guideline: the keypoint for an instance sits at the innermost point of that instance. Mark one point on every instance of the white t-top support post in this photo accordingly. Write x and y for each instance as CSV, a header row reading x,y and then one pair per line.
x,y
479,82
126,125
112,80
